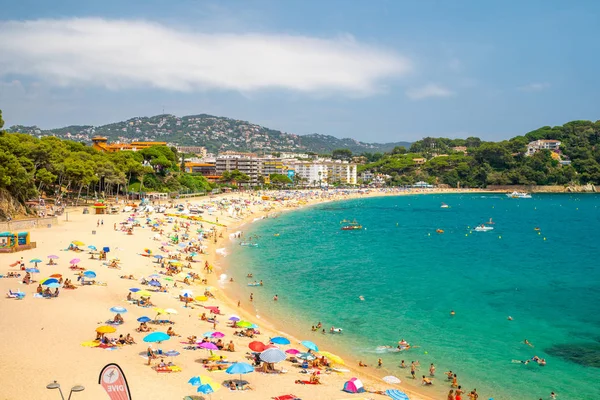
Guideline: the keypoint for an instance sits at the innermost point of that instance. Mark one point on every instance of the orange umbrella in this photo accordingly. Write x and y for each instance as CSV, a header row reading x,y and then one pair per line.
x,y
57,276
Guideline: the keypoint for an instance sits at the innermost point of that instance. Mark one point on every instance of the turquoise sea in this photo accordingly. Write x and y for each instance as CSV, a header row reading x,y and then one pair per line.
x,y
412,277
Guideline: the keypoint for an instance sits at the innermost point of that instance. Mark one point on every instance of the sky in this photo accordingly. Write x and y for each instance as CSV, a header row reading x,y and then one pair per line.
x,y
372,70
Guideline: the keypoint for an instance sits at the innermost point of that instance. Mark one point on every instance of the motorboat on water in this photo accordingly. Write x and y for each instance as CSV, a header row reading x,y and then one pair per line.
x,y
483,228
444,205
351,225
518,195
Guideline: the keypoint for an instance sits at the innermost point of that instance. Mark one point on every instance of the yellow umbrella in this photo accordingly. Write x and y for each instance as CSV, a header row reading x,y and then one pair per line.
x,y
159,310
200,298
106,329
78,243
90,343
332,357
144,293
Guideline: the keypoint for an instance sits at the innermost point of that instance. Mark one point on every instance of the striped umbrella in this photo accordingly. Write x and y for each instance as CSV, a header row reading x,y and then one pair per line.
x,y
396,394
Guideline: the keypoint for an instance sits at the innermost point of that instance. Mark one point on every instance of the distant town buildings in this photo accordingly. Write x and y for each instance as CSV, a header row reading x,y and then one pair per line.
x,y
544,144
101,144
200,151
460,149
419,161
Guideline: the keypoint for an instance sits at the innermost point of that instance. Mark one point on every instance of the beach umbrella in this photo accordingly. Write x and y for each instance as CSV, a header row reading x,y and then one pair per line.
x,y
279,340
208,346
78,243
52,285
118,309
187,293
272,356
171,353
48,280
144,319
332,357
391,379
106,249
170,311
257,346
89,274
35,260
240,368
168,279
106,329
144,293
156,337
208,334
244,324
32,270
147,251
57,276
292,351
53,257
306,356
92,248
234,318
74,261
396,394
200,298
154,283
218,335
309,345
159,310
154,276
158,256
134,290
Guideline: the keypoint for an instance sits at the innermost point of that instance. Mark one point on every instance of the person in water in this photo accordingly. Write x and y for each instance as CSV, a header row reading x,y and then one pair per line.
x,y
528,343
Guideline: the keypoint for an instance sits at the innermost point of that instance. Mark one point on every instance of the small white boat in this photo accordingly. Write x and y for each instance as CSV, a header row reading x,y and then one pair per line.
x,y
518,195
444,205
483,228
249,244
336,330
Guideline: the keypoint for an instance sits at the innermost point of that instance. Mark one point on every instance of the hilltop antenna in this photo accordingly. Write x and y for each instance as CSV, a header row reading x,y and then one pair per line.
x,y
163,110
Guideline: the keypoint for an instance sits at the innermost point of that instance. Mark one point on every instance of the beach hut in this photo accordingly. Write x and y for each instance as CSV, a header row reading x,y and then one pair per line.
x,y
354,385
99,208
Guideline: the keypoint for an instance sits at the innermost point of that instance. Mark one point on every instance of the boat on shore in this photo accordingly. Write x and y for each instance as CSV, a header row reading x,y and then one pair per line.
x,y
518,195
350,225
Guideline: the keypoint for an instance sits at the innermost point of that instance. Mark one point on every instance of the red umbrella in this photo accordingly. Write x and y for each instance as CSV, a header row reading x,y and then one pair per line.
x,y
257,346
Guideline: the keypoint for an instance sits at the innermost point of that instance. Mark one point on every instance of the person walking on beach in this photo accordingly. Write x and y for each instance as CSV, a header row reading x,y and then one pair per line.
x,y
458,393
379,363
251,297
413,369
454,383
451,395
432,370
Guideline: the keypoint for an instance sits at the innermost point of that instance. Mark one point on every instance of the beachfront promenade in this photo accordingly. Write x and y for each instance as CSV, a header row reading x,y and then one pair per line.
x,y
47,338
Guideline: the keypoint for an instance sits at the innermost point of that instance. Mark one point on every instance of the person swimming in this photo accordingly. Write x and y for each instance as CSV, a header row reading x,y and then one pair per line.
x,y
361,298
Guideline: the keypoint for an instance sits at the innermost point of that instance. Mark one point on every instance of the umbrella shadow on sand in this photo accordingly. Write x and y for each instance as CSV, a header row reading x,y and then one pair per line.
x,y
194,397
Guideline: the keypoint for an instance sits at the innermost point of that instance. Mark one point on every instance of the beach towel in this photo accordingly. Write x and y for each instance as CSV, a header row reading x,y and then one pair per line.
x,y
306,382
287,397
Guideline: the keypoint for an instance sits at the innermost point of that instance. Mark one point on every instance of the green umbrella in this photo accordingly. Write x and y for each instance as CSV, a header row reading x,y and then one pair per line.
x,y
244,324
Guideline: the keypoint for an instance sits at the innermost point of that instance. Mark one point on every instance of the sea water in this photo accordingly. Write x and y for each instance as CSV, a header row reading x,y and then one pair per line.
x,y
411,277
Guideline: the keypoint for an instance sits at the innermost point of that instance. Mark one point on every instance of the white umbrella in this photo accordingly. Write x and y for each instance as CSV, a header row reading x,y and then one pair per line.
x,y
391,379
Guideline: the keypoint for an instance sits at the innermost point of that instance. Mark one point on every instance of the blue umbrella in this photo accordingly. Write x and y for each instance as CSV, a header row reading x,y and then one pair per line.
x,y
193,254
306,356
309,345
208,334
158,256
240,368
106,249
156,337
35,260
272,355
92,248
144,319
119,310
32,270
154,283
53,285
396,394
205,389
280,340
89,274
194,380
134,289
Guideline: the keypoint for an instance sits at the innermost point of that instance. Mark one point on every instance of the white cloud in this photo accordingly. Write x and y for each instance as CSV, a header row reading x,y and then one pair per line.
x,y
429,90
119,54
534,87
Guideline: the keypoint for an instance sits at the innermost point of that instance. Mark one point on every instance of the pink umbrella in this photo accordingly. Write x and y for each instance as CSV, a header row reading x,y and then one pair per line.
x,y
208,346
218,335
292,351
53,257
75,261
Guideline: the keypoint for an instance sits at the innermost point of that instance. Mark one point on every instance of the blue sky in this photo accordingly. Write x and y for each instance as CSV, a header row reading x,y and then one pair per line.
x,y
378,70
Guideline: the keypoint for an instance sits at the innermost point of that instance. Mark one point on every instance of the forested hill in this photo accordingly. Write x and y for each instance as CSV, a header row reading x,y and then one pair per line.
x,y
215,133
442,161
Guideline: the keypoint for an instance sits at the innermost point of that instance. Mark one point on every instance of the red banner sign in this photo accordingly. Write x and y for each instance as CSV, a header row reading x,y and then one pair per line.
x,y
113,381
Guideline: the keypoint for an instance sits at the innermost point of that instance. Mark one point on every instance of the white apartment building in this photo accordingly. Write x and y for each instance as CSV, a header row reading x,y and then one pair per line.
x,y
536,145
324,173
246,165
342,172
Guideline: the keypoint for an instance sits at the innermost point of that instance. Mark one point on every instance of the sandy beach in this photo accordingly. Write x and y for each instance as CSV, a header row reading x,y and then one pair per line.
x,y
42,338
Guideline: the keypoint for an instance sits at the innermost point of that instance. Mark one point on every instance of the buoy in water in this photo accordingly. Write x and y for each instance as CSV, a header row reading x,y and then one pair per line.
x,y
499,237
